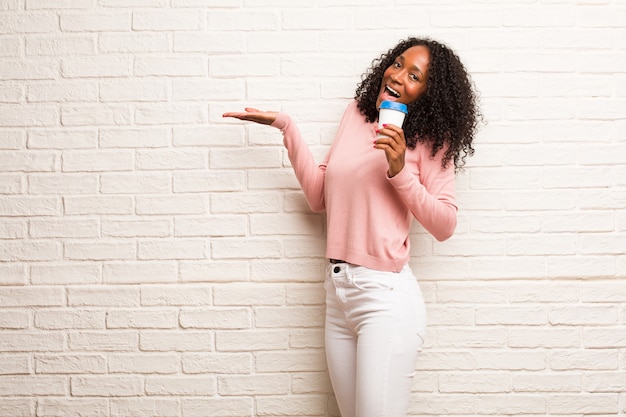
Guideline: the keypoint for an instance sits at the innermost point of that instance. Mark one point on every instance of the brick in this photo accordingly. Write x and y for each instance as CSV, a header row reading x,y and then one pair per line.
x,y
163,295
518,404
245,248
282,317
98,161
32,115
143,363
291,405
214,42
99,251
139,273
287,271
476,382
544,382
142,319
95,67
179,341
159,114
102,295
604,337
577,403
314,383
11,274
136,183
307,338
192,88
167,20
237,66
189,385
251,340
262,384
214,271
28,69
247,294
155,407
32,385
103,341
67,363
60,45
134,138
62,92
12,139
70,319
216,318
66,407
133,3
211,181
62,4
14,364
94,22
290,361
27,161
109,205
12,184
13,229
89,116
221,363
135,42
212,226
584,315
289,224
171,160
512,316
246,202
471,337
64,228
133,90
14,320
246,158
22,341
517,359
172,249
17,407
217,407
65,139
604,382
108,386
65,273
31,296
11,47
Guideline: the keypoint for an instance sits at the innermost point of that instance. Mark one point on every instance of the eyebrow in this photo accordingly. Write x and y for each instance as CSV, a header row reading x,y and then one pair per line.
x,y
414,66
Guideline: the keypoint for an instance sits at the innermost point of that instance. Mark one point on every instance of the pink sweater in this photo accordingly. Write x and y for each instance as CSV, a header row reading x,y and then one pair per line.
x,y
369,214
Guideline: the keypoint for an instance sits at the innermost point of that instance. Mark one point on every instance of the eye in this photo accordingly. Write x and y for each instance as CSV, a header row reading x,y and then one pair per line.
x,y
414,77
396,64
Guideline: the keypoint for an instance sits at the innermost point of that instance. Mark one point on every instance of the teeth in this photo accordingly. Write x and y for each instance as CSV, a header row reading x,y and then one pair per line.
x,y
392,91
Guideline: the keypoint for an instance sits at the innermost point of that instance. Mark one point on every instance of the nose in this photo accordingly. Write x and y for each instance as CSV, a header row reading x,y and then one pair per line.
x,y
396,76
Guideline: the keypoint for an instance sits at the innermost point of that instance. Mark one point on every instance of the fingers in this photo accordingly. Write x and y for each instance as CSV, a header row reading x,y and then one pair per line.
x,y
392,138
253,115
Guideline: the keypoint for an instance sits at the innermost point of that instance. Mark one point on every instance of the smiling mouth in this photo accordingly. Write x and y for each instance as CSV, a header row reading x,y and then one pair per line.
x,y
392,92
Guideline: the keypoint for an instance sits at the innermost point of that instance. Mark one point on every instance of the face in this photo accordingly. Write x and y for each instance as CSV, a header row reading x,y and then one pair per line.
x,y
405,80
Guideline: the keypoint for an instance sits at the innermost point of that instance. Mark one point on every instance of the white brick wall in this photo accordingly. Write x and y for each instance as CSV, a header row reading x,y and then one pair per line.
x,y
158,260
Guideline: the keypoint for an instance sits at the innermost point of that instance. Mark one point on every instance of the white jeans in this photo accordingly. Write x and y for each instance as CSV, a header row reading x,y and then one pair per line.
x,y
375,323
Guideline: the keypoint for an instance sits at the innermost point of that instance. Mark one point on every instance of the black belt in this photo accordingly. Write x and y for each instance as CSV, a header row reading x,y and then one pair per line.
x,y
337,261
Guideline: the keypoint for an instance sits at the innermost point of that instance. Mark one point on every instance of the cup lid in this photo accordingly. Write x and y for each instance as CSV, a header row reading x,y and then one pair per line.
x,y
394,105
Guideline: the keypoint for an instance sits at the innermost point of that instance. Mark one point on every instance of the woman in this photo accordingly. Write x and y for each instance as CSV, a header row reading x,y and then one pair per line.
x,y
371,184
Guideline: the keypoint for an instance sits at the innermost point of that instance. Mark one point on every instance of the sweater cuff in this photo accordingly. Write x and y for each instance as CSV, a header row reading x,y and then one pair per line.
x,y
282,121
401,178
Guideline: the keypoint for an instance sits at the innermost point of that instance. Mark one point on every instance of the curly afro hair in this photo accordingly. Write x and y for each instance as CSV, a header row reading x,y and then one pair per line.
x,y
446,114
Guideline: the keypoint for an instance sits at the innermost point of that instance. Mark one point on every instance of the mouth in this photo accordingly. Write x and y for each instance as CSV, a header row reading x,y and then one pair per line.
x,y
390,91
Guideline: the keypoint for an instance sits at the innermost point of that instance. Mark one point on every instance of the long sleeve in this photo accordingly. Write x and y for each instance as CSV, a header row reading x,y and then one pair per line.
x,y
309,174
430,195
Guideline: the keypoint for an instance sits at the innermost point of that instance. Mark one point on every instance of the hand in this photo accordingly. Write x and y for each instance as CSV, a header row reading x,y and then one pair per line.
x,y
394,145
254,115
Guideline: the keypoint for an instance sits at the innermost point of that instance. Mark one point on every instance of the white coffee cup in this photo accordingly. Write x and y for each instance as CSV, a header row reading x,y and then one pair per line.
x,y
391,113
